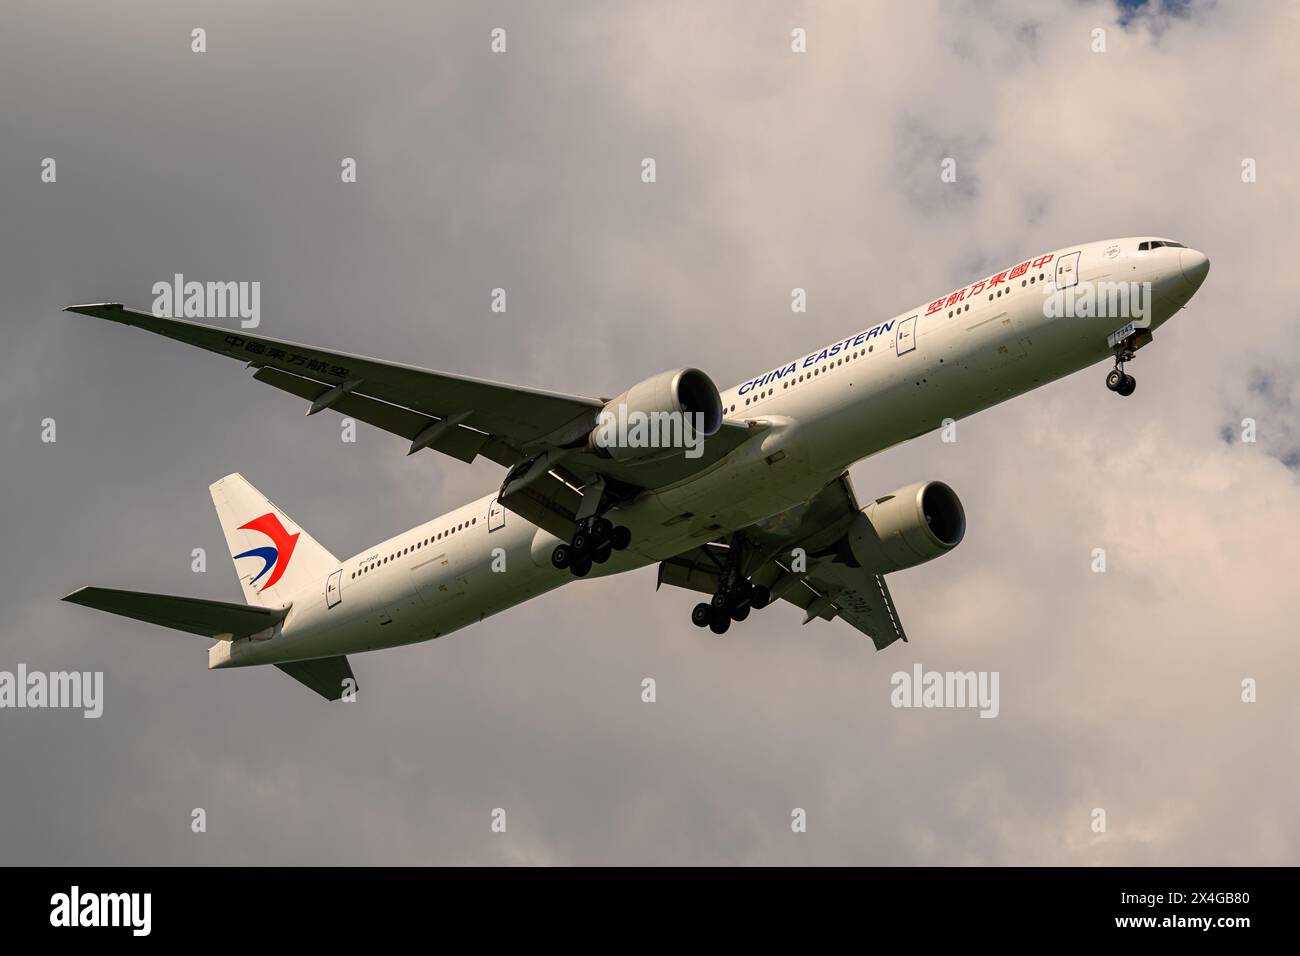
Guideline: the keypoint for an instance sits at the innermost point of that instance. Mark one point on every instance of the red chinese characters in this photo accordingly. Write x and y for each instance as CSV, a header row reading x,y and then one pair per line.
x,y
987,284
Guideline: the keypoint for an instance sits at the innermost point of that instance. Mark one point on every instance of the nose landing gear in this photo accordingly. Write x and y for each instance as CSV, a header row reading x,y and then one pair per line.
x,y
1117,380
593,542
1120,382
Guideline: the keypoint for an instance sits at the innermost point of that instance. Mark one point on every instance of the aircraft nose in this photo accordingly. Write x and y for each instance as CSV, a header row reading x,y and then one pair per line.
x,y
1195,266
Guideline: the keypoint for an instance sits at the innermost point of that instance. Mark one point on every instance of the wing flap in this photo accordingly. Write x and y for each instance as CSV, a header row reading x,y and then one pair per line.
x,y
458,441
215,619
696,570
860,598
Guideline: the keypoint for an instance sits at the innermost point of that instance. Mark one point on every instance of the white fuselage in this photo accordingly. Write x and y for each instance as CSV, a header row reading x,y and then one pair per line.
x,y
897,379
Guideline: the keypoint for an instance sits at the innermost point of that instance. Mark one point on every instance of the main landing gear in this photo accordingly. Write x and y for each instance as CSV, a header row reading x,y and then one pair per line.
x,y
730,604
736,595
594,541
1117,380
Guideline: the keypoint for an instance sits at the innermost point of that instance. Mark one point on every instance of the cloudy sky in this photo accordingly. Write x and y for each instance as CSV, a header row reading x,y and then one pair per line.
x,y
1119,691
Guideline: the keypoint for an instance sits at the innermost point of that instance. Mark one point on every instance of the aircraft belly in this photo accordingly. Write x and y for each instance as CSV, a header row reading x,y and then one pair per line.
x,y
763,478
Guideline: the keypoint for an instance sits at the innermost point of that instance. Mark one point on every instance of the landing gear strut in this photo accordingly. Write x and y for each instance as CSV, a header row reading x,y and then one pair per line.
x,y
1117,380
735,598
593,542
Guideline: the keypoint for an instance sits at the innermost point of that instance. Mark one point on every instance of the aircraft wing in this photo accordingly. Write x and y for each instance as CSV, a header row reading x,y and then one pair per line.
x,y
830,584
539,435
402,399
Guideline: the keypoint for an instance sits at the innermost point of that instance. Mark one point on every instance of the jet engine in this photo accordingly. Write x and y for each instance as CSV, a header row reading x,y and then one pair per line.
x,y
909,527
670,411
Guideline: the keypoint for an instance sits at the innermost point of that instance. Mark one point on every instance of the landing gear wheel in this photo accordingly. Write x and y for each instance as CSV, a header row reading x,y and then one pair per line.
x,y
760,597
580,566
1127,386
720,600
562,556
1115,379
719,622
620,538
738,614
601,554
702,615
601,529
582,542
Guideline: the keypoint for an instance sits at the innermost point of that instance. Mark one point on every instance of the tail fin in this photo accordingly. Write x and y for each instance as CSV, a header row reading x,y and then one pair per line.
x,y
274,557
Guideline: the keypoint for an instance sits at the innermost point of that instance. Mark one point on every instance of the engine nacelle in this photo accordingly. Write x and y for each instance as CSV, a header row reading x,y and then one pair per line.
x,y
913,525
658,416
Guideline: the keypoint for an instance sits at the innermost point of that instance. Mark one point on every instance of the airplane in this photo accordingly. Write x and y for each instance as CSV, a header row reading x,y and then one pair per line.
x,y
759,509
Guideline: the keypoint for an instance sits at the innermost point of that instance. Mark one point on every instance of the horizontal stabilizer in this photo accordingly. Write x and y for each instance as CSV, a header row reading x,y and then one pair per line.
x,y
331,677
194,615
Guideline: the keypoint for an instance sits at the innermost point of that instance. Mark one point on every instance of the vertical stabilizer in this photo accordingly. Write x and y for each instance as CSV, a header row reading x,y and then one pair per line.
x,y
274,557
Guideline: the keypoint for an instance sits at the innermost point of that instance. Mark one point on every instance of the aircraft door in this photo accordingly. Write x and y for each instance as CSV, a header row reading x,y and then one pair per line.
x,y
496,516
333,592
905,338
1067,270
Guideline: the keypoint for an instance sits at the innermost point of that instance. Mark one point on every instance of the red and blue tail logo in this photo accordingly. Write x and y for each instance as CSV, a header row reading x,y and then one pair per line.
x,y
276,558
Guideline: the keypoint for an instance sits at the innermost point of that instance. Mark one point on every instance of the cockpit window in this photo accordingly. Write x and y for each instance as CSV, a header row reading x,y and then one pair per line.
x,y
1158,243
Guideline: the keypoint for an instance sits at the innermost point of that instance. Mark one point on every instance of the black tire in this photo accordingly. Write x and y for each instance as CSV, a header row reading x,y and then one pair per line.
x,y
601,554
702,614
1115,379
580,566
760,597
719,622
720,600
1128,385
582,542
562,556
601,529
738,614
620,538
